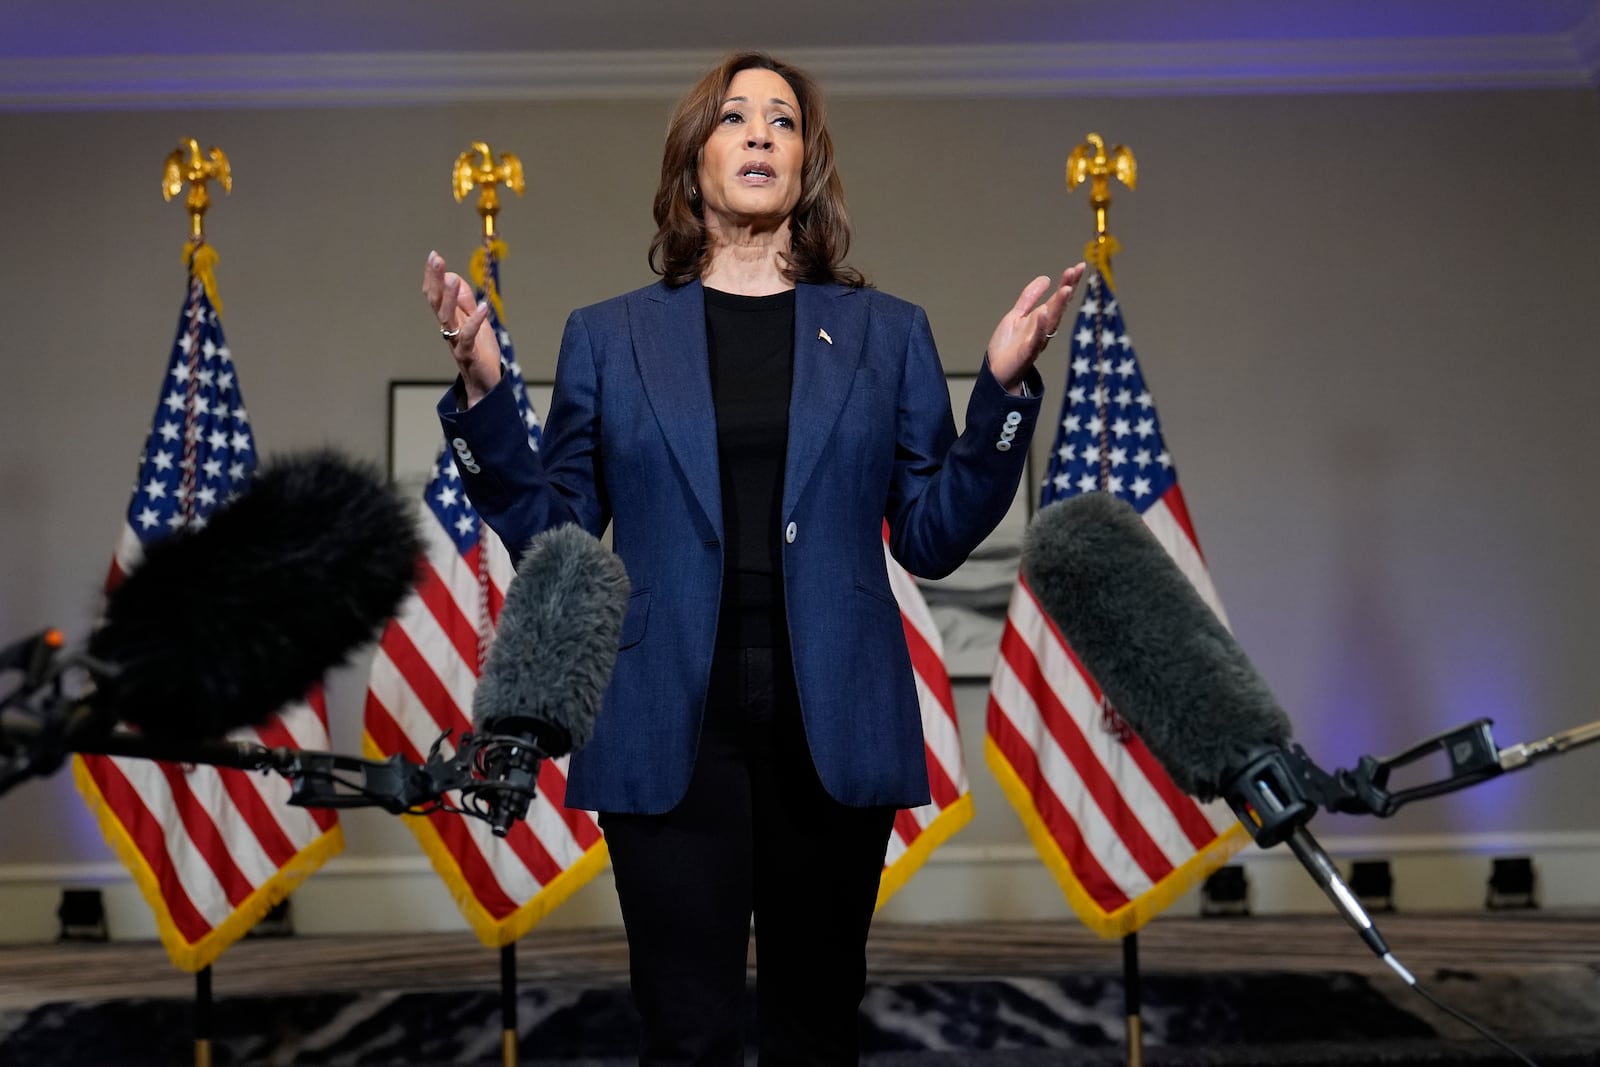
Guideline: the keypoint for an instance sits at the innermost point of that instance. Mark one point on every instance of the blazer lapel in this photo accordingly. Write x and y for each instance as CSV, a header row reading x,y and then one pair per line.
x,y
669,346
830,324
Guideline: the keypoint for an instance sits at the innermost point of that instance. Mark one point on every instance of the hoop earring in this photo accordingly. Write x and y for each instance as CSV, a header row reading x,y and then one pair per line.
x,y
694,192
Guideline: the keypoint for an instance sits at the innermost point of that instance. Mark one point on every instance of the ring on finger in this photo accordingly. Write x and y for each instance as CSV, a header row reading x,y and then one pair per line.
x,y
449,335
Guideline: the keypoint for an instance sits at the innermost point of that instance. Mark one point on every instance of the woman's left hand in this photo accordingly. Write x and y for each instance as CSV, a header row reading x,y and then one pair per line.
x,y
1026,329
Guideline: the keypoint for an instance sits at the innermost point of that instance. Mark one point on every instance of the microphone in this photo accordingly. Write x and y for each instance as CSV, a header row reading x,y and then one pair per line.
x,y
1177,677
550,663
220,626
1156,649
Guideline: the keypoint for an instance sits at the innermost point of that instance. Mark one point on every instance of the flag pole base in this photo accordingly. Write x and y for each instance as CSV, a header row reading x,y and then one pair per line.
x,y
1132,1002
202,1017
508,1005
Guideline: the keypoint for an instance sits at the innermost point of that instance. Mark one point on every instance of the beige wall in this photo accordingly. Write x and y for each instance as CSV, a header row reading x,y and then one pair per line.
x,y
1369,322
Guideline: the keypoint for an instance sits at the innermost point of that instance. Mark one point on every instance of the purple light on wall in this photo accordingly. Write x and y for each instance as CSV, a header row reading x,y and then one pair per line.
x,y
1485,673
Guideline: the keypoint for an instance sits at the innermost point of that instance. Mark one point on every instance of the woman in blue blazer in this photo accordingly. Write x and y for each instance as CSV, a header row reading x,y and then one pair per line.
x,y
745,427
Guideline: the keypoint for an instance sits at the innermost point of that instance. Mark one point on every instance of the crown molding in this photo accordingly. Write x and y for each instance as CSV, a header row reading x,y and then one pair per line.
x,y
1153,69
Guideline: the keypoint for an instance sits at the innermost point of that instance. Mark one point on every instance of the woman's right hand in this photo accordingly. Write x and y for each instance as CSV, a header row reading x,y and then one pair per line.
x,y
475,348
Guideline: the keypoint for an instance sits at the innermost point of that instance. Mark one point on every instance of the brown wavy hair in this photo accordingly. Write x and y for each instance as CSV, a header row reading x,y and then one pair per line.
x,y
819,229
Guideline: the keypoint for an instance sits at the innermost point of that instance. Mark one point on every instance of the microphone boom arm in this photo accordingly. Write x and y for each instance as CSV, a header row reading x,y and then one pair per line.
x,y
41,723
320,779
317,779
1279,789
1283,786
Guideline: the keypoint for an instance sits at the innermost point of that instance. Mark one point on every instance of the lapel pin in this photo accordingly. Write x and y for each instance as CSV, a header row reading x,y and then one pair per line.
x,y
823,335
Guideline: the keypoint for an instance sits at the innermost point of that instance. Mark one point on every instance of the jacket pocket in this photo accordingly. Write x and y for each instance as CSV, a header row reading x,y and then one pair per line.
x,y
885,595
633,622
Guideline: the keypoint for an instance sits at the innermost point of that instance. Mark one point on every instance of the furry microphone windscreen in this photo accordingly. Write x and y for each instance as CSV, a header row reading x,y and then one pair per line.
x,y
1156,649
218,627
556,642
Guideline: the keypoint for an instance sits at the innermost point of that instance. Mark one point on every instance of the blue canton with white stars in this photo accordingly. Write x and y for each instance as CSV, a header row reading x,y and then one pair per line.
x,y
200,452
444,495
1108,437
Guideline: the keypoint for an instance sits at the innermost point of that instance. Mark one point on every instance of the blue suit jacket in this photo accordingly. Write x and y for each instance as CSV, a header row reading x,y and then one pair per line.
x,y
630,440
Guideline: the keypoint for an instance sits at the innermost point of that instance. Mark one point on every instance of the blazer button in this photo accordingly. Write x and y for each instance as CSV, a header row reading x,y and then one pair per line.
x,y
1002,445
468,460
788,533
1013,418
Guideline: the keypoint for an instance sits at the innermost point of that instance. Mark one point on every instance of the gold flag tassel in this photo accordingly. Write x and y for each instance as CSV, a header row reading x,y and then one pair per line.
x,y
495,250
201,259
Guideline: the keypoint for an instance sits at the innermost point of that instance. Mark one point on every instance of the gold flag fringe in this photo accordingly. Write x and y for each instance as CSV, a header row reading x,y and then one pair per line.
x,y
1141,909
198,955
493,932
936,833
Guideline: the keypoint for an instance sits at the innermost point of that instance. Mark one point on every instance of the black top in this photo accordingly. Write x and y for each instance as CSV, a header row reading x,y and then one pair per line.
x,y
751,343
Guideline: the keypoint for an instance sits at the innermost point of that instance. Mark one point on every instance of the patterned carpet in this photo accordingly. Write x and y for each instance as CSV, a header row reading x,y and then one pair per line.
x,y
1293,991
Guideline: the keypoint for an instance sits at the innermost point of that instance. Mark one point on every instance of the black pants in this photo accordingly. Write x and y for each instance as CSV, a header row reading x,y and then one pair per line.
x,y
756,833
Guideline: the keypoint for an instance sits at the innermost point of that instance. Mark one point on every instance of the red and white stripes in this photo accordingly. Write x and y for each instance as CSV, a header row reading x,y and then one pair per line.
x,y
213,850
1121,839
423,676
918,831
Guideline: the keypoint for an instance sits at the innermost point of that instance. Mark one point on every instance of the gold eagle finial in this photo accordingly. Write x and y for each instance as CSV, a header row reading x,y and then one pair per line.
x,y
486,176
1090,162
198,171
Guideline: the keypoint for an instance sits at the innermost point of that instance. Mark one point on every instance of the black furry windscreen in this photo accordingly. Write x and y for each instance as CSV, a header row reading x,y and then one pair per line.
x,y
1156,649
556,643
221,626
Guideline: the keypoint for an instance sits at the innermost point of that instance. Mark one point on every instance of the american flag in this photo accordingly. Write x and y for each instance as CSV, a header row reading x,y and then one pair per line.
x,y
423,677
1120,838
918,831
212,850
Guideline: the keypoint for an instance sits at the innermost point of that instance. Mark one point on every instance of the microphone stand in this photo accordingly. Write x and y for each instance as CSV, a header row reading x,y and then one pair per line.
x,y
1279,790
1271,799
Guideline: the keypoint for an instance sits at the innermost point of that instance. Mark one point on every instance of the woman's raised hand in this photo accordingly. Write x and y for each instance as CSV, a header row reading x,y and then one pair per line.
x,y
464,323
1026,329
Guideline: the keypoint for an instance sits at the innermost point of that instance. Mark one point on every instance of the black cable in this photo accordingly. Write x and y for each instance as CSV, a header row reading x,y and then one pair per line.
x,y
1470,1021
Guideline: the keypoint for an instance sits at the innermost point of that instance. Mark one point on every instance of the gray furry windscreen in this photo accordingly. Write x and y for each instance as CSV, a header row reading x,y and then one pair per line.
x,y
556,644
1156,649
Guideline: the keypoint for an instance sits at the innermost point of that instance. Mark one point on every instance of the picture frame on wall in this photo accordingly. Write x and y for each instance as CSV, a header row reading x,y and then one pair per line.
x,y
969,606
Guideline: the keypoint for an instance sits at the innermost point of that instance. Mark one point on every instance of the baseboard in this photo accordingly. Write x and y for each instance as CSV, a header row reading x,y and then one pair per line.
x,y
401,894
1432,873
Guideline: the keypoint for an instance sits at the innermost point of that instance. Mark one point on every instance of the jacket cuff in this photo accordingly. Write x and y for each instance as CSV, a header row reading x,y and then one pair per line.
x,y
1032,383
